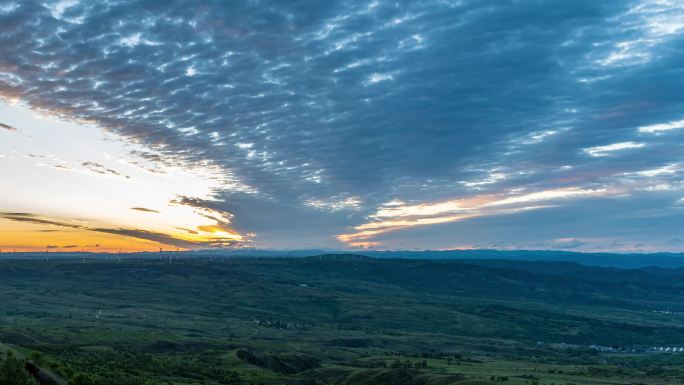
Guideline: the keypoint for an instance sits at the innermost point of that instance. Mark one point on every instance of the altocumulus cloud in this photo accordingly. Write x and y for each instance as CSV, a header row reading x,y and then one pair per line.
x,y
327,113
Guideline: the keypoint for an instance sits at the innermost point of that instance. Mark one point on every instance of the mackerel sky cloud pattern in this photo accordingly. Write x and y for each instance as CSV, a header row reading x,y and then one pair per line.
x,y
409,124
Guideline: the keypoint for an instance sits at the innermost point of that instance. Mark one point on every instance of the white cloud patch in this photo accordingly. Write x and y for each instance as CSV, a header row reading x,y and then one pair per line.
x,y
378,77
665,170
651,23
8,8
564,193
611,148
397,215
349,203
493,177
566,243
662,127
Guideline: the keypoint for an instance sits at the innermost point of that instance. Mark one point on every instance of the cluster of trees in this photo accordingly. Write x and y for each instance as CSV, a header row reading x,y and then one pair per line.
x,y
83,379
13,371
408,364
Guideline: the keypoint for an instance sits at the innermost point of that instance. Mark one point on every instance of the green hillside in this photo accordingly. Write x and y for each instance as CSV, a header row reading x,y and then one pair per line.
x,y
342,320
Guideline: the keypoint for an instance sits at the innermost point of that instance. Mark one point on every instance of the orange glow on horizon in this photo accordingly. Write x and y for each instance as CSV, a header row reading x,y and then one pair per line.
x,y
74,241
31,237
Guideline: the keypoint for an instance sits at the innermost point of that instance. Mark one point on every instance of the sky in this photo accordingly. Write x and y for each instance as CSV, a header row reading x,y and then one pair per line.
x,y
427,124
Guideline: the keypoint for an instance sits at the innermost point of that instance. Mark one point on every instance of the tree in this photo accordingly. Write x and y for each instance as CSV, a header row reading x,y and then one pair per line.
x,y
13,372
82,379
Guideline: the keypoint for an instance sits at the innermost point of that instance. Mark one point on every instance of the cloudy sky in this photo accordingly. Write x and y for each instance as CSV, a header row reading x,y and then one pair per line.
x,y
430,124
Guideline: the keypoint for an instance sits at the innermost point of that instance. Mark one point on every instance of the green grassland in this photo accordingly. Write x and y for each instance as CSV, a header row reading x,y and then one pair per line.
x,y
342,320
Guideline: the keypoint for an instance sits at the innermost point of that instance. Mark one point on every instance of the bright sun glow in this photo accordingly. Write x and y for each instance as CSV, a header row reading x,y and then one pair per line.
x,y
93,192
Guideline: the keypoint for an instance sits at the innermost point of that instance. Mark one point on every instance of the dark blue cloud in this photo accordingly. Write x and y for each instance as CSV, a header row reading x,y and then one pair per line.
x,y
308,104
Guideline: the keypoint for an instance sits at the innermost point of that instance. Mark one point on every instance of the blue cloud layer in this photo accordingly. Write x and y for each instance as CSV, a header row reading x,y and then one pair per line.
x,y
309,104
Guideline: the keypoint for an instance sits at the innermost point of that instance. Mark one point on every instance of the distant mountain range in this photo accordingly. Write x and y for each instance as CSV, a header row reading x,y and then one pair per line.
x,y
624,261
